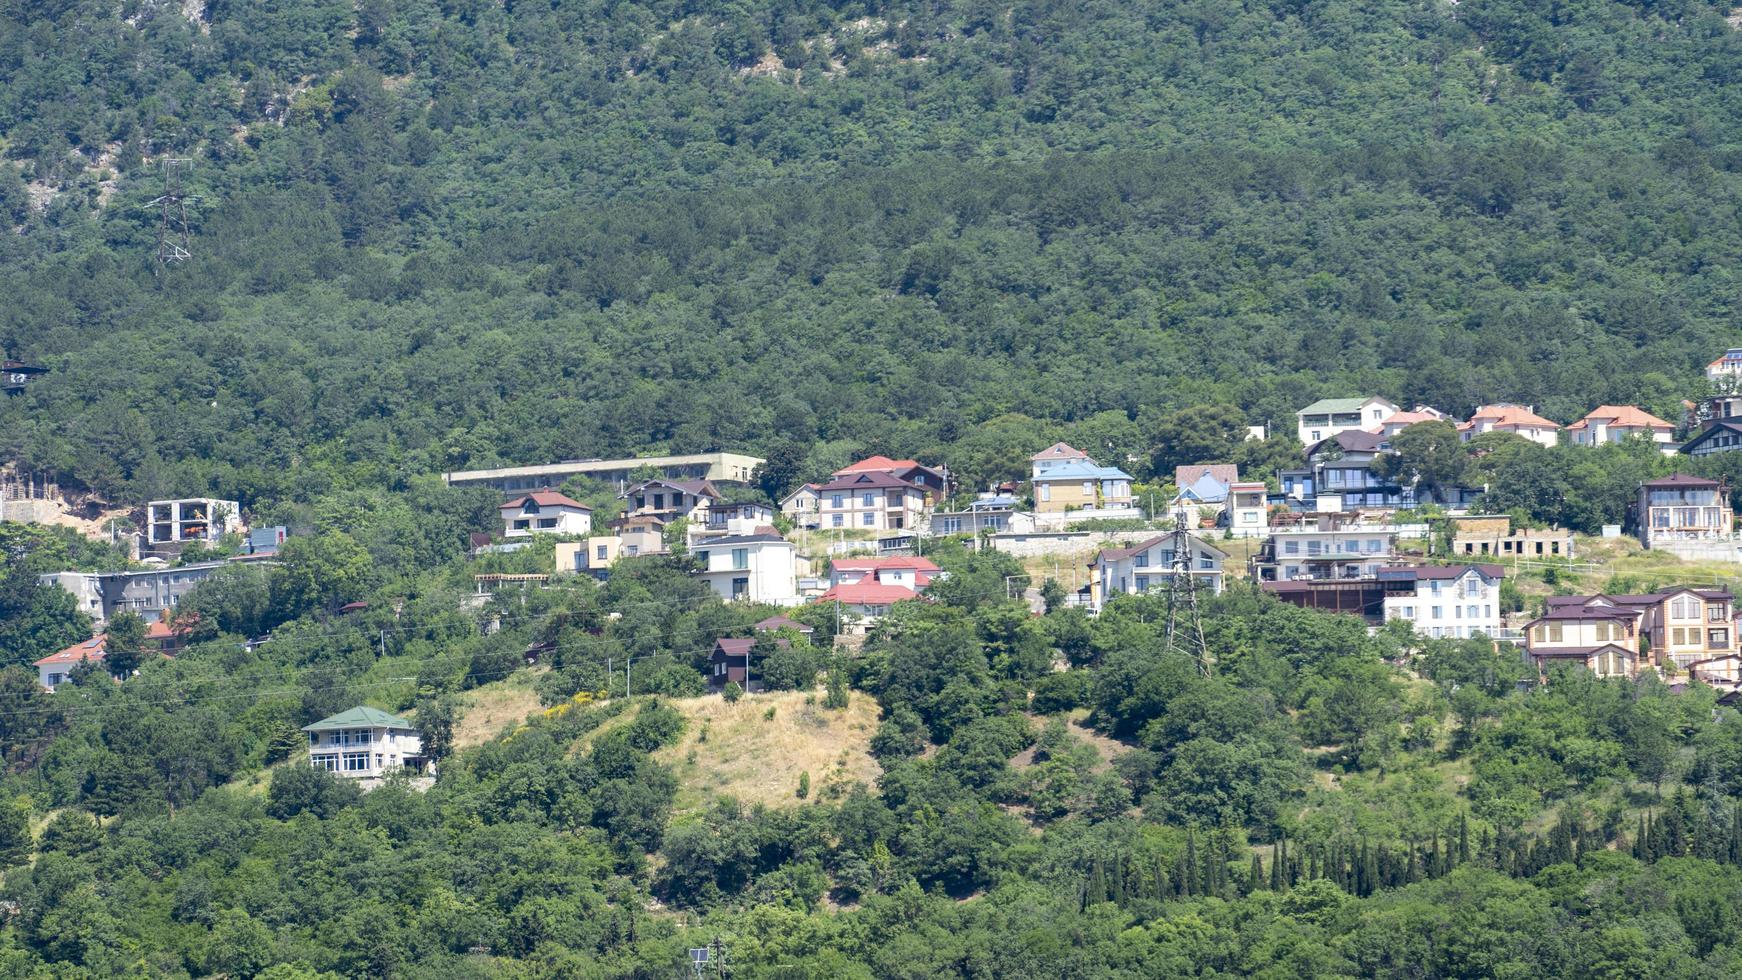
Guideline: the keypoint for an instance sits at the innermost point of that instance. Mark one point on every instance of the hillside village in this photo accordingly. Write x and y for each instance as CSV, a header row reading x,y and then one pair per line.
x,y
1358,526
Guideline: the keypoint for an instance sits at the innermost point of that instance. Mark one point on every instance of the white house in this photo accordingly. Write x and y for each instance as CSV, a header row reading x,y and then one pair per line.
x,y
1616,423
862,604
1516,419
1248,509
1453,602
871,501
907,571
364,742
1326,546
1727,366
755,567
545,512
1328,416
671,500
992,513
1150,565
55,668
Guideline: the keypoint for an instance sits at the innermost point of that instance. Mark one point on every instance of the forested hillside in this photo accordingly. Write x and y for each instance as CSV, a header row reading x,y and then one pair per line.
x,y
438,234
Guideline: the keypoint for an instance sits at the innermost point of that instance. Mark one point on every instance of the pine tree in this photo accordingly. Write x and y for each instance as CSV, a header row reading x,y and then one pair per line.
x,y
1189,883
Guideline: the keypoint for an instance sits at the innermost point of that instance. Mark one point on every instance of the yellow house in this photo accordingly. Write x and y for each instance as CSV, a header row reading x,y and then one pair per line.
x,y
1066,479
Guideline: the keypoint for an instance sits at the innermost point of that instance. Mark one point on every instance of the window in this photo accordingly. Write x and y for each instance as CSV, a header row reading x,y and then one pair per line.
x,y
632,550
949,525
1291,547
836,521
1142,583
1141,560
328,762
547,522
702,556
1046,491
1088,488
1686,607
1717,639
837,500
356,762
868,499
1554,633
1315,436
740,558
659,501
1434,587
1206,563
1436,611
868,519
740,588
1715,613
601,551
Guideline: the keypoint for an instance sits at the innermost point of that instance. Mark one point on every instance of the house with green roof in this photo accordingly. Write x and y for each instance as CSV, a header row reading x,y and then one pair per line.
x,y
364,742
1327,417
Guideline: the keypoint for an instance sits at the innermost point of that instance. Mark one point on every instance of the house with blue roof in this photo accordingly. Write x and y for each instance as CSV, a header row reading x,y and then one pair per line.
x,y
1066,479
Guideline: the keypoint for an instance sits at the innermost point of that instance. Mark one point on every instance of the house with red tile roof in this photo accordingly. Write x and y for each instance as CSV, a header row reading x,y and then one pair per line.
x,y
1617,423
545,512
863,603
910,571
874,500
57,667
1516,419
933,479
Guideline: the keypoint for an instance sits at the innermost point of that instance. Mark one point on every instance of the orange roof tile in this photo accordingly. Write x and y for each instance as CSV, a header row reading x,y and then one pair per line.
x,y
91,649
1508,416
1622,417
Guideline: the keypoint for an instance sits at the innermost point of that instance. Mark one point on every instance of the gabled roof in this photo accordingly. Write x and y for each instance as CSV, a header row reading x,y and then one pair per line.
x,y
1622,416
91,649
868,593
695,488
1720,426
544,498
773,623
1401,420
811,487
1580,651
871,480
914,562
1059,450
361,716
1508,416
884,464
1185,476
734,646
1081,470
1683,481
1115,554
1342,406
1351,441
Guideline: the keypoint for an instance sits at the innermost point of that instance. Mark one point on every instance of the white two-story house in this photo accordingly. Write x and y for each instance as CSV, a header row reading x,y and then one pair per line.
x,y
1150,565
1450,602
364,742
1326,417
870,501
545,512
758,566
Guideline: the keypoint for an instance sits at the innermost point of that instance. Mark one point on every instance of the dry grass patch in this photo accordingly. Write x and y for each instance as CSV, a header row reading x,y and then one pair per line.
x,y
736,750
494,708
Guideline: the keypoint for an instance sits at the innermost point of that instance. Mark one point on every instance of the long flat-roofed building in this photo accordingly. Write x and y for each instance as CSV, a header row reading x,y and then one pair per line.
x,y
728,467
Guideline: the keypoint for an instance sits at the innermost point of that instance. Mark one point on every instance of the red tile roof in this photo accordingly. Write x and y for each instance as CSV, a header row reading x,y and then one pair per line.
x,y
875,463
864,593
1060,450
91,649
1508,416
873,564
544,498
1622,416
1185,476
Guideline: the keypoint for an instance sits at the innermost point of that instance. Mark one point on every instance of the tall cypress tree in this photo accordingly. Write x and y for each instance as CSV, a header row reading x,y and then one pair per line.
x,y
1255,874
1189,882
1463,838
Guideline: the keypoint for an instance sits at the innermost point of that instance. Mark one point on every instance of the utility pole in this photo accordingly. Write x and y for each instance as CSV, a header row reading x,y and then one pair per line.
x,y
1182,576
173,241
